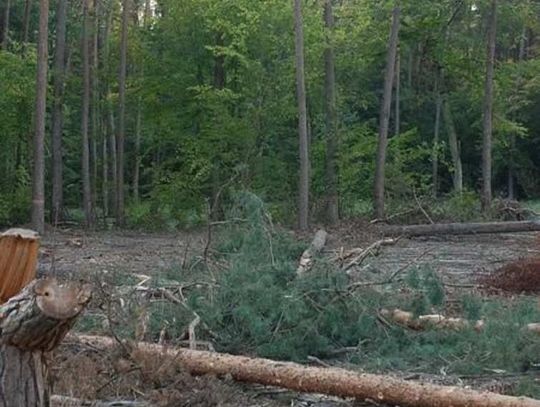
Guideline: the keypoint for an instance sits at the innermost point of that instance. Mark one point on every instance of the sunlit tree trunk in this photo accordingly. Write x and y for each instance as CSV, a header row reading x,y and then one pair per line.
x,y
332,208
303,182
58,113
85,164
38,175
120,215
378,196
488,109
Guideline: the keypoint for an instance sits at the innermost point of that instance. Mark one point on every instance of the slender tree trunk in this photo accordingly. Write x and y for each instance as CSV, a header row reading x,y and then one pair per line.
x,y
378,198
488,109
5,33
26,21
457,172
511,163
136,170
409,68
85,164
105,176
332,209
120,215
303,183
95,104
436,136
58,113
38,178
398,91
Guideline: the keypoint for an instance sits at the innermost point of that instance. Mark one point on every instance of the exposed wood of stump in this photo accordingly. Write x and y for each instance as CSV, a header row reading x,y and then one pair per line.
x,y
462,228
31,324
18,260
332,381
317,244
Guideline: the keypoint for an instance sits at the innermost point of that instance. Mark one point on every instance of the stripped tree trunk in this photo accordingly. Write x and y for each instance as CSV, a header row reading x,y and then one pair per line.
x,y
378,193
333,381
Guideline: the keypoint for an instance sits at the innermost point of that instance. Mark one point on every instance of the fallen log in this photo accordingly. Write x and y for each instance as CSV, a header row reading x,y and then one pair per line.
x,y
317,244
331,381
421,322
462,228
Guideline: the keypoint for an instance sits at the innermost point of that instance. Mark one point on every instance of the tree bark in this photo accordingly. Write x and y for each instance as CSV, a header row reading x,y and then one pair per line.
x,y
317,244
488,109
330,112
94,79
26,21
137,165
120,214
38,175
462,228
5,31
332,381
398,96
85,163
436,137
457,172
58,113
378,195
33,323
303,182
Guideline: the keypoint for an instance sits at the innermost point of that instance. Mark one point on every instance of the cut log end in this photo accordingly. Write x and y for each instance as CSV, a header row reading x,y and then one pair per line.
x,y
61,301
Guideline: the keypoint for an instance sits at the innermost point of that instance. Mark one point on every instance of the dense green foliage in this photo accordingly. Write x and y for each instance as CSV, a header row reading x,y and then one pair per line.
x,y
201,133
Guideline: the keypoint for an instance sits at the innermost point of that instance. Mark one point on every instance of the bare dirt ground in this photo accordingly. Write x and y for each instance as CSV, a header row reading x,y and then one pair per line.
x,y
460,260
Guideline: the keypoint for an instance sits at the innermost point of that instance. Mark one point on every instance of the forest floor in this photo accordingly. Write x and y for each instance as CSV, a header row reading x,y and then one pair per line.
x,y
461,261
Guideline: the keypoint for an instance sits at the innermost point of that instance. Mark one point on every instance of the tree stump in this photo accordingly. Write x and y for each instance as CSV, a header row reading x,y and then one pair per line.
x,y
33,322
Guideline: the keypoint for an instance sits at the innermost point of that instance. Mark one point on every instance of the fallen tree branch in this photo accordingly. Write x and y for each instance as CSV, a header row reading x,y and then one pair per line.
x,y
430,321
462,228
317,244
331,381
65,401
370,250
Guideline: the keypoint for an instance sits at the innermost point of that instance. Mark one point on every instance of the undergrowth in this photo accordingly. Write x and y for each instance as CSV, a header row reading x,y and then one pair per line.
x,y
254,303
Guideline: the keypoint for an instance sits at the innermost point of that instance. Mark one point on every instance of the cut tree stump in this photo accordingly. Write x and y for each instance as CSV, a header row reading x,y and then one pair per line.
x,y
33,322
462,228
317,244
331,381
18,260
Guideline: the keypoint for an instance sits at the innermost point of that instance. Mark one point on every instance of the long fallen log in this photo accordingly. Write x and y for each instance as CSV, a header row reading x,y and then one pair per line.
x,y
331,381
462,228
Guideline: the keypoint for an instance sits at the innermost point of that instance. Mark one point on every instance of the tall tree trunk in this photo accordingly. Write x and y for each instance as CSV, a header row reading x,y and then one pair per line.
x,y
457,174
488,109
85,164
332,208
38,177
137,166
378,196
303,182
5,31
58,113
436,137
398,96
26,21
120,215
95,103
105,175
511,163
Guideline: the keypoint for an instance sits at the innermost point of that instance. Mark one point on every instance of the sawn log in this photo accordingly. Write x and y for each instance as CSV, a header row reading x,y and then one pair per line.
x,y
462,228
331,381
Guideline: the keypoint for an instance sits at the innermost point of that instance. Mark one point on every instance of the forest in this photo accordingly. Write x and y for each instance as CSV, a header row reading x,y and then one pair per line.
x,y
332,202
152,112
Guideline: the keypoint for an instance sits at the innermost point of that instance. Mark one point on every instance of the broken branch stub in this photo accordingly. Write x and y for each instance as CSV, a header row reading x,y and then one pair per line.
x,y
317,244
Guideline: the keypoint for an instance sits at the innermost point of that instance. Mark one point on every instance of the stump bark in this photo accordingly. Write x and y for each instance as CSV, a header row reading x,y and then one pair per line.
x,y
32,322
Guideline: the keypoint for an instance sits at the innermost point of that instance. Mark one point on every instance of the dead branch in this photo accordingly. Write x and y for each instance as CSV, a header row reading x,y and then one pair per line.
x,y
331,381
65,401
372,249
429,321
